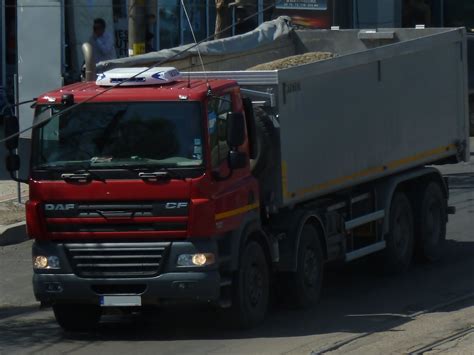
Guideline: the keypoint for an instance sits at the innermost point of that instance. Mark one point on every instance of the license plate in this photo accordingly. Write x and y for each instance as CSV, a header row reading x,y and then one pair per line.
x,y
120,301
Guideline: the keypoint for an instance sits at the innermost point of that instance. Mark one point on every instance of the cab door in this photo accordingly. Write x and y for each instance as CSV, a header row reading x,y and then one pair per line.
x,y
235,191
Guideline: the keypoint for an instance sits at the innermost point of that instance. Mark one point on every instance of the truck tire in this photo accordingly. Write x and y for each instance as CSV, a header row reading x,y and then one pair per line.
x,y
77,317
302,288
266,144
251,287
431,223
398,254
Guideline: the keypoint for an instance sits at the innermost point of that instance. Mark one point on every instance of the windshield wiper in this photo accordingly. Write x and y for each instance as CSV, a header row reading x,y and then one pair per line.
x,y
87,172
151,173
80,172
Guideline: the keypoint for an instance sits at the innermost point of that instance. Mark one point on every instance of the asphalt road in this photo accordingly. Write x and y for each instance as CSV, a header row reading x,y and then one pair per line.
x,y
430,309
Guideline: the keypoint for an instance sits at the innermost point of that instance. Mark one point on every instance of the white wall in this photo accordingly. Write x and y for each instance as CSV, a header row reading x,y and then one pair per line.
x,y
40,46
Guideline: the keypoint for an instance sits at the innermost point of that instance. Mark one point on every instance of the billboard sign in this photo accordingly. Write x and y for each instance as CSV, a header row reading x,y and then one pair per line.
x,y
302,4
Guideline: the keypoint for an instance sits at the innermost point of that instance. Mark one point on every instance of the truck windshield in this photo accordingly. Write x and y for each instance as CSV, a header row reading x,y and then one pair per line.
x,y
120,135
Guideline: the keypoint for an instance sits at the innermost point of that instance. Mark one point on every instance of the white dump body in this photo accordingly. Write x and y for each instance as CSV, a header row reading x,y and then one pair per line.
x,y
388,102
367,114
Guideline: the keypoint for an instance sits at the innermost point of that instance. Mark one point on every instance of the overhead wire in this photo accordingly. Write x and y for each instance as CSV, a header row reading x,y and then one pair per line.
x,y
195,41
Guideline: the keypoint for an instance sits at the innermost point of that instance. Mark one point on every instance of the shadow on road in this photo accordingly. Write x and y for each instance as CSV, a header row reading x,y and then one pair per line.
x,y
355,300
11,311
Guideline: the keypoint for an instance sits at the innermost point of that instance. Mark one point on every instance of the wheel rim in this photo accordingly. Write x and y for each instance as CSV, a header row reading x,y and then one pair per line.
x,y
432,223
310,268
254,283
401,232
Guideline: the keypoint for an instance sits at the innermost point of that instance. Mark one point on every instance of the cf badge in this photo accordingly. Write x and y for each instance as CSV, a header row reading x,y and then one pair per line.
x,y
176,205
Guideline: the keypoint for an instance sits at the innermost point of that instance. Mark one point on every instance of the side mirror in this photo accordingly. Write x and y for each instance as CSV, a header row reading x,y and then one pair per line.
x,y
237,160
12,162
235,129
11,127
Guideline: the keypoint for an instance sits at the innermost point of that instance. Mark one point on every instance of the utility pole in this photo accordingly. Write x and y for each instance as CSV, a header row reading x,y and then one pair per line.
x,y
136,27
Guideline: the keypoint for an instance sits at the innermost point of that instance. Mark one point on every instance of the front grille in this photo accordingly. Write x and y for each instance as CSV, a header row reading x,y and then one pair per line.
x,y
116,227
135,209
103,217
69,209
117,260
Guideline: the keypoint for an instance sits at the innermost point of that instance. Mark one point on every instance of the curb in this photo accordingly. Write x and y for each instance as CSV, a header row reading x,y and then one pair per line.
x,y
13,234
12,197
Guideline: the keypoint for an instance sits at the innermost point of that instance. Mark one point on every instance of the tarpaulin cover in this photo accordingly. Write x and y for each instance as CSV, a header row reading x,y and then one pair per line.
x,y
262,35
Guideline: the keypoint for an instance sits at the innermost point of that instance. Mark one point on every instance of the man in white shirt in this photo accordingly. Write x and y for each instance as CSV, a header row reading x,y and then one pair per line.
x,y
102,42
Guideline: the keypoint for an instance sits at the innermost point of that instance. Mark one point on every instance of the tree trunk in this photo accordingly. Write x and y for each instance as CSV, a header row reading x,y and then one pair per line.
x,y
223,19
136,27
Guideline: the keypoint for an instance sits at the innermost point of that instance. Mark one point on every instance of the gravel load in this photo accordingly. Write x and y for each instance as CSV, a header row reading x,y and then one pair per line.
x,y
293,61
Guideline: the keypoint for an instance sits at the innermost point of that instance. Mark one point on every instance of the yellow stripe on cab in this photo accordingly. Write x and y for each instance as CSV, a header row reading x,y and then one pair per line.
x,y
237,211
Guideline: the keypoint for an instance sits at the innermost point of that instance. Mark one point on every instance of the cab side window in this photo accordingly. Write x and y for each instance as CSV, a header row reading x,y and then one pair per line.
x,y
217,111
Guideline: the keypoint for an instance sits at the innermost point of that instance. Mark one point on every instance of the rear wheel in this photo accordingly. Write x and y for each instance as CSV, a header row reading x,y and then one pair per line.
x,y
302,288
77,317
398,254
251,287
431,223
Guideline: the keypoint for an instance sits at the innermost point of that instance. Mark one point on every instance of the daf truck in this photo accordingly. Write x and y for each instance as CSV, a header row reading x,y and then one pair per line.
x,y
217,187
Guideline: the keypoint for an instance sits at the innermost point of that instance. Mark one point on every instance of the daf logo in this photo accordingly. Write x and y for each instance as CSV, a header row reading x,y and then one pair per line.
x,y
176,205
59,207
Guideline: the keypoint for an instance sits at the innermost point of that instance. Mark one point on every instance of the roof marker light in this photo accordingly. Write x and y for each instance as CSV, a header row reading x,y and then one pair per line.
x,y
132,76
49,98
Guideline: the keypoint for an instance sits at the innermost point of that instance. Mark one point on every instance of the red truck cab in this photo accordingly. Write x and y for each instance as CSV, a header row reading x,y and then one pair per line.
x,y
137,195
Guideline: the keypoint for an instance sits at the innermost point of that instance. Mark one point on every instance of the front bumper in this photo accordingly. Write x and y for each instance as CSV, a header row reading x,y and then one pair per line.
x,y
192,286
172,283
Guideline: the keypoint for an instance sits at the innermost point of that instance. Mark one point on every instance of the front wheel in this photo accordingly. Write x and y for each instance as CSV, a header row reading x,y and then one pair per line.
x,y
251,287
77,317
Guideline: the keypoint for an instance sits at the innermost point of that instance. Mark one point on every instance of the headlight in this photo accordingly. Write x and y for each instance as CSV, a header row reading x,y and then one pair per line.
x,y
46,262
201,259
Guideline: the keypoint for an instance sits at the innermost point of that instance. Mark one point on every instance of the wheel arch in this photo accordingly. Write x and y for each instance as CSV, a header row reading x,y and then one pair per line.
x,y
317,223
290,244
251,229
